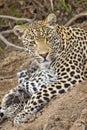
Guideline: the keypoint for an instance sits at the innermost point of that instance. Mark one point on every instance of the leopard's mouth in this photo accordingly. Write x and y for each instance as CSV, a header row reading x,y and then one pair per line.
x,y
40,60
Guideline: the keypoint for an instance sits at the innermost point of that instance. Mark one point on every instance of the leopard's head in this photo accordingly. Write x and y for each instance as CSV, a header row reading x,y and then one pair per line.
x,y
40,38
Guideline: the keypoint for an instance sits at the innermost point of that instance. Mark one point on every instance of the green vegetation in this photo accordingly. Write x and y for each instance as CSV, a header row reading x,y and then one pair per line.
x,y
66,5
15,11
1,49
19,22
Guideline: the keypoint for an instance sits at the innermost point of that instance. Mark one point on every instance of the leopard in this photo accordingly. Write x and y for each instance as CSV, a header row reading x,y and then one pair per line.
x,y
61,53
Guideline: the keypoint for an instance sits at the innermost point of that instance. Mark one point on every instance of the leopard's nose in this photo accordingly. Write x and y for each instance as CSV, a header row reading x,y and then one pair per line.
x,y
44,55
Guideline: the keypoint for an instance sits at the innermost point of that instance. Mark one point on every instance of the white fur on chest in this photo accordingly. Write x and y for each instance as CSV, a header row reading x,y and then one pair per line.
x,y
43,76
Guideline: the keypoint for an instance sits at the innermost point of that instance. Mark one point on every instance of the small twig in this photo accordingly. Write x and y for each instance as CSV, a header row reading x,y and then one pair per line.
x,y
7,77
17,19
7,31
10,44
75,18
52,6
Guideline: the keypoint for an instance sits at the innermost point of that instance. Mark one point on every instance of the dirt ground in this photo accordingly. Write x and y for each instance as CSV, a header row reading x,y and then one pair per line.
x,y
65,112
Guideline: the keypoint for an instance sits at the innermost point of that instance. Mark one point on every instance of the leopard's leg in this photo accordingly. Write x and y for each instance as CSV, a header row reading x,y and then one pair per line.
x,y
12,103
39,99
15,99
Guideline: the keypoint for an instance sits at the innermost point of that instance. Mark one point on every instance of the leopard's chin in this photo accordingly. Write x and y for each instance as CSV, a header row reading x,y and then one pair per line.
x,y
45,65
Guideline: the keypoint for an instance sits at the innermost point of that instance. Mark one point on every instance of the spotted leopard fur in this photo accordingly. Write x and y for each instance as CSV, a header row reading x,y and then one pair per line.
x,y
60,51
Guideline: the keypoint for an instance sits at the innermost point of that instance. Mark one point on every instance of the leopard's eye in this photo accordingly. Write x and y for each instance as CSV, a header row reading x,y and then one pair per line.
x,y
32,44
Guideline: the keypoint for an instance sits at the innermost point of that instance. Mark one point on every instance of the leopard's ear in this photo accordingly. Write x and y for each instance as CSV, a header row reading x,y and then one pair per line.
x,y
51,19
19,30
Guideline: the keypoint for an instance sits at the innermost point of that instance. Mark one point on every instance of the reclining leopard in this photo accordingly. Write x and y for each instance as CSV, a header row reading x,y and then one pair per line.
x,y
61,53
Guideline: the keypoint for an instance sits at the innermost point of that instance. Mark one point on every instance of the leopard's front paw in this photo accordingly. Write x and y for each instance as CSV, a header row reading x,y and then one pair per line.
x,y
21,118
